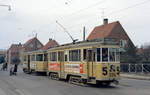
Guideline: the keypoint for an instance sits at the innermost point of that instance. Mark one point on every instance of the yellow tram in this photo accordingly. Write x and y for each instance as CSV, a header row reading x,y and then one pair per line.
x,y
94,62
35,61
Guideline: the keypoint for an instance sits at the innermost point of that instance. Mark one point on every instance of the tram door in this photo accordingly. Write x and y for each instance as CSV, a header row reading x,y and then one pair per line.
x,y
61,59
28,62
90,62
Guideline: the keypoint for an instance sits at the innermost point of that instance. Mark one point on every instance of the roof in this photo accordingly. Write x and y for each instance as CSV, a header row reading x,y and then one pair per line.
x,y
2,52
50,43
102,31
15,47
100,41
30,40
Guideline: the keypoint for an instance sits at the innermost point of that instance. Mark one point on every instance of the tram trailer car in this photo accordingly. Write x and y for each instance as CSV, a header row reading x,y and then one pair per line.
x,y
87,62
35,61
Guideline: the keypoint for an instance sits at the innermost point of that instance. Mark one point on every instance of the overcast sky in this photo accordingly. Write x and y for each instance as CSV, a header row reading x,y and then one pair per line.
x,y
29,17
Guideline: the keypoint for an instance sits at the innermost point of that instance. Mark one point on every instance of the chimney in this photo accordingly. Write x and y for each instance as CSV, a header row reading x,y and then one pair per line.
x,y
50,39
105,21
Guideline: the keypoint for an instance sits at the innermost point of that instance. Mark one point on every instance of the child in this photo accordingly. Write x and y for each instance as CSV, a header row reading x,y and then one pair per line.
x,y
11,70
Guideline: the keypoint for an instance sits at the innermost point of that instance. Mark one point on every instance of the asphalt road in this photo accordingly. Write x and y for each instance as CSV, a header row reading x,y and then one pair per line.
x,y
25,84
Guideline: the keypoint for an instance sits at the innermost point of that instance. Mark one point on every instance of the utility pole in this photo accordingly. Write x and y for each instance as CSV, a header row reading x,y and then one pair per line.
x,y
84,33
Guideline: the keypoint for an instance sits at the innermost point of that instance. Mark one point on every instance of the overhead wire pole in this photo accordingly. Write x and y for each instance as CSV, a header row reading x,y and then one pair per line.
x,y
74,40
9,7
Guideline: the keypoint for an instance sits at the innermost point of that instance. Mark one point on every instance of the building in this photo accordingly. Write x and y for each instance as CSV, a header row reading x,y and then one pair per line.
x,y
32,45
2,53
115,31
111,30
14,52
51,43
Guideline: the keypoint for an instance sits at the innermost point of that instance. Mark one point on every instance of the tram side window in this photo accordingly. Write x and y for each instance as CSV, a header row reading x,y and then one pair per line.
x,y
112,54
98,54
45,57
105,54
117,54
89,55
39,57
53,56
74,55
60,56
65,57
33,57
84,54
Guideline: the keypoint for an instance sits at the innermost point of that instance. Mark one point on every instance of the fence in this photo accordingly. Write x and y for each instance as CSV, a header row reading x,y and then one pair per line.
x,y
135,68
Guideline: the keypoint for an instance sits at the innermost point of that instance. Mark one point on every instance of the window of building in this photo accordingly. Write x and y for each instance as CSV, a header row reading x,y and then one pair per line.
x,y
53,56
74,55
33,57
98,54
39,57
112,54
104,54
39,46
31,45
123,43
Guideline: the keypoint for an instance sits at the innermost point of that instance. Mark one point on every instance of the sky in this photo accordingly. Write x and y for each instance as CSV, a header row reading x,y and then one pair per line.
x,y
28,17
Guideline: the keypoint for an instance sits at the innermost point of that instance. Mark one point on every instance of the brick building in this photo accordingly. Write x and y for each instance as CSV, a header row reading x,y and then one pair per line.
x,y
115,31
111,30
51,43
32,45
14,51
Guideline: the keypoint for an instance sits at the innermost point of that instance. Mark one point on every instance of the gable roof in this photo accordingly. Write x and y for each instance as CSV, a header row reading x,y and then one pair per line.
x,y
15,47
49,44
30,40
102,31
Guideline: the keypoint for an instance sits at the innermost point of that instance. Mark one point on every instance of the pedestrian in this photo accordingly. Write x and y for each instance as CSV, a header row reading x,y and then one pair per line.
x,y
11,69
15,69
6,66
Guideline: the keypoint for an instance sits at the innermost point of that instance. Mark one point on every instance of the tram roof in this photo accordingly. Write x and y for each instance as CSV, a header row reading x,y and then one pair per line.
x,y
102,41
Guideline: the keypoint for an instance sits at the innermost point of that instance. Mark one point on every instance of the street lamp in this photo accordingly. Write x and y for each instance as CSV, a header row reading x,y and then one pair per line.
x,y
9,7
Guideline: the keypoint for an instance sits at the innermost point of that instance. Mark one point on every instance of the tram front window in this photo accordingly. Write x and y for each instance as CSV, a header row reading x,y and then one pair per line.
x,y
112,54
104,54
39,57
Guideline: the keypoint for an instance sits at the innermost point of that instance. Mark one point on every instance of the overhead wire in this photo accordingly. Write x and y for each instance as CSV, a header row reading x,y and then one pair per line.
x,y
124,9
84,9
129,7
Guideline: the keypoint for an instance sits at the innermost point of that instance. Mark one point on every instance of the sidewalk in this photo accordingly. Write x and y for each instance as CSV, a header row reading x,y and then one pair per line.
x,y
135,76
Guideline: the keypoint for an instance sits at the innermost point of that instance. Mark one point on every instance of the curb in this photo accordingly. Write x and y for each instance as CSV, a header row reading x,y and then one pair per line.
x,y
131,76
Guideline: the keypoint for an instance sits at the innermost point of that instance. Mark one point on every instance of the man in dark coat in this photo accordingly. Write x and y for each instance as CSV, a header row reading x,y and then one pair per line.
x,y
15,69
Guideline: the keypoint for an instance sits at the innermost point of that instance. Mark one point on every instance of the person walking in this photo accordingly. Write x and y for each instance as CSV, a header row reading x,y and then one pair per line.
x,y
11,69
15,69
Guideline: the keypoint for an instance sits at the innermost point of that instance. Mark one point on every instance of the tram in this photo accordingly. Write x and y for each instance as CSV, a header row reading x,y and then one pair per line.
x,y
35,61
85,62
